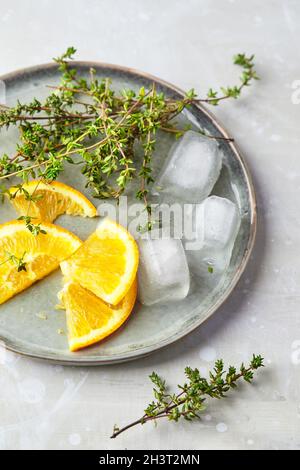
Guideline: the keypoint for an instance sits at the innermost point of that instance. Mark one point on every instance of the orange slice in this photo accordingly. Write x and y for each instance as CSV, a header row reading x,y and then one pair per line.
x,y
89,319
46,201
41,255
106,264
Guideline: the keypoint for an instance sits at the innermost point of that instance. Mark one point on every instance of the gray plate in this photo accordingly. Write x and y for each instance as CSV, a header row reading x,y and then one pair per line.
x,y
149,328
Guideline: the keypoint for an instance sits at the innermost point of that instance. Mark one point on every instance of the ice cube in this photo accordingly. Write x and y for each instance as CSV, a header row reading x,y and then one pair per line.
x,y
163,274
217,222
191,169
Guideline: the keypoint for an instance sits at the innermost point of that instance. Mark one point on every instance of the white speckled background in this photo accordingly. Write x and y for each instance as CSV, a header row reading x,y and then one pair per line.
x,y
189,43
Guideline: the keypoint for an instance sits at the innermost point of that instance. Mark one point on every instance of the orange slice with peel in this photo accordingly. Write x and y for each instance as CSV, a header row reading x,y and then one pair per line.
x,y
89,319
46,201
26,258
106,263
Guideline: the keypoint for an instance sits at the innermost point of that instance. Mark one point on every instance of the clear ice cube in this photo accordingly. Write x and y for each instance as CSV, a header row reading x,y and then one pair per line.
x,y
163,273
191,169
217,222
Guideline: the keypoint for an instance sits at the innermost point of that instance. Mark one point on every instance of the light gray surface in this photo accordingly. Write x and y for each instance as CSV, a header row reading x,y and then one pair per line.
x,y
189,43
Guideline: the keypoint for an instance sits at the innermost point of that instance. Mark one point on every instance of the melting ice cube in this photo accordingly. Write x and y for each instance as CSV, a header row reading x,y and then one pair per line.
x,y
191,169
217,225
163,272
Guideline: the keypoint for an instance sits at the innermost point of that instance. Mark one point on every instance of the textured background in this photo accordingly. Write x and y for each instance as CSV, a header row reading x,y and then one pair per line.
x,y
189,43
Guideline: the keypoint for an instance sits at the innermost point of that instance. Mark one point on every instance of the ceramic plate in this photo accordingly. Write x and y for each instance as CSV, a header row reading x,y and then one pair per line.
x,y
149,328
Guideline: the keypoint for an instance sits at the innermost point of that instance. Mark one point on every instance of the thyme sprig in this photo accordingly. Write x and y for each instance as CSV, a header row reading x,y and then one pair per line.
x,y
84,121
20,189
19,263
188,402
35,229
248,74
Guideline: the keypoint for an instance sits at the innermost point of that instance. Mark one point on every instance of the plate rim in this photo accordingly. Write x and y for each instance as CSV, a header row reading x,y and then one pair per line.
x,y
145,351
